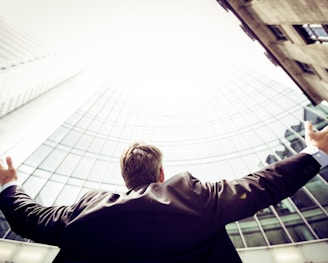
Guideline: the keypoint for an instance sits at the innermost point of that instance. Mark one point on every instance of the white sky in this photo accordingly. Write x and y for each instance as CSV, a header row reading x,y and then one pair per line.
x,y
165,35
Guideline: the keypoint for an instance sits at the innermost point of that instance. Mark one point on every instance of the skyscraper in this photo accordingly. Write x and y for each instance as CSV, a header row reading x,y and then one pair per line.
x,y
223,125
28,69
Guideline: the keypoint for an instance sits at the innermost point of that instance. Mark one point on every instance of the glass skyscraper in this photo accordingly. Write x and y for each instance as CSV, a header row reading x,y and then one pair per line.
x,y
224,124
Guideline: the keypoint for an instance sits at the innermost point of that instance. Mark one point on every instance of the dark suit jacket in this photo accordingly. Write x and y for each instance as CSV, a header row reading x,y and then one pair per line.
x,y
181,220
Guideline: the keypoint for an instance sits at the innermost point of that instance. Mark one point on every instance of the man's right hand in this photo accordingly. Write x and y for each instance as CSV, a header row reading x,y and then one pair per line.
x,y
318,139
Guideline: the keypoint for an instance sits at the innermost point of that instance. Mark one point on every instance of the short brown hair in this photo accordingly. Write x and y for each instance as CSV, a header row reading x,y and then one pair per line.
x,y
141,164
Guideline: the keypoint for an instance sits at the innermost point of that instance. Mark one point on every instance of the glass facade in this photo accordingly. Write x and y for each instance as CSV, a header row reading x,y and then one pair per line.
x,y
223,125
27,70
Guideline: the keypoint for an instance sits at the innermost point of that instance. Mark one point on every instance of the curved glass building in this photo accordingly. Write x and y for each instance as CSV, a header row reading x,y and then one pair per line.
x,y
224,124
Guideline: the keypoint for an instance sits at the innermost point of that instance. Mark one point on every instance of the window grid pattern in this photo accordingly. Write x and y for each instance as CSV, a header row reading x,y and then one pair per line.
x,y
235,123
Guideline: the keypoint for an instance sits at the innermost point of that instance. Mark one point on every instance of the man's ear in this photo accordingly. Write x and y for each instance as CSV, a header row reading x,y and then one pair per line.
x,y
161,175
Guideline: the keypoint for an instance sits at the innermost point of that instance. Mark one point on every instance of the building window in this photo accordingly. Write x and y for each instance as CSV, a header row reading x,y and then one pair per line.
x,y
313,33
307,68
277,31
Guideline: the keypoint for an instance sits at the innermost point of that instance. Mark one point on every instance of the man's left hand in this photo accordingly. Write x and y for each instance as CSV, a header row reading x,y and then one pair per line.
x,y
9,173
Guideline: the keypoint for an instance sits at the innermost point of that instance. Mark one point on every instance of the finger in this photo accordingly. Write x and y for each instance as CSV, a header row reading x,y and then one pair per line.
x,y
308,129
9,162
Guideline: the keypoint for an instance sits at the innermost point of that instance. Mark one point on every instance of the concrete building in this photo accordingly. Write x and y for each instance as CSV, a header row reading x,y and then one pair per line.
x,y
295,36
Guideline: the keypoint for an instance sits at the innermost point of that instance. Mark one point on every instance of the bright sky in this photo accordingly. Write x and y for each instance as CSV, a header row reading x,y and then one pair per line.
x,y
152,35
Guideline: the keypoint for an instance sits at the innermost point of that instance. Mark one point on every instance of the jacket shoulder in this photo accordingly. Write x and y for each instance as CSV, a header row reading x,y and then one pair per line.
x,y
181,178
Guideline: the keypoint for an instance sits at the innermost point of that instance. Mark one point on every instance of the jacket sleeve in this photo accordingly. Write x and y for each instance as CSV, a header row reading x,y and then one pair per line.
x,y
31,220
229,201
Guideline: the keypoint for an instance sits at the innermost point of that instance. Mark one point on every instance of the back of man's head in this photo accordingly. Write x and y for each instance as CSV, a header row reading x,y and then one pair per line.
x,y
141,164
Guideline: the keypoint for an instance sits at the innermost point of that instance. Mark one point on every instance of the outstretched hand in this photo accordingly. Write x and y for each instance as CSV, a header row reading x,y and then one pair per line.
x,y
9,173
318,139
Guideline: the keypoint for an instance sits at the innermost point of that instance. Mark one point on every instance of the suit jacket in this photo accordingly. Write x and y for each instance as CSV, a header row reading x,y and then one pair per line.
x,y
180,220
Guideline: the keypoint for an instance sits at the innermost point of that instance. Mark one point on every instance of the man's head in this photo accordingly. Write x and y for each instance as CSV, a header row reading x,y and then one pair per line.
x,y
141,164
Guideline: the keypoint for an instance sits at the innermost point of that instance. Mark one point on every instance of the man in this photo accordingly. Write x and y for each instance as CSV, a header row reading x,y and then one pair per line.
x,y
179,220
